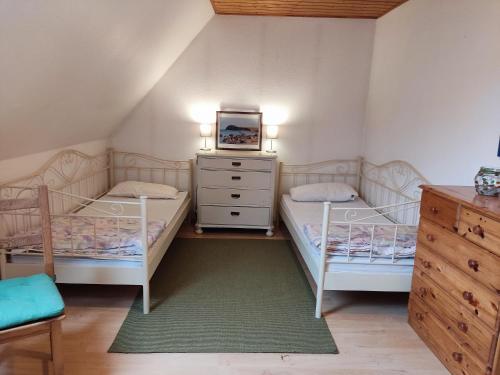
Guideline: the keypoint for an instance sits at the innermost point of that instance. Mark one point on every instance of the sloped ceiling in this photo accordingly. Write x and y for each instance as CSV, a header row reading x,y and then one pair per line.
x,y
70,71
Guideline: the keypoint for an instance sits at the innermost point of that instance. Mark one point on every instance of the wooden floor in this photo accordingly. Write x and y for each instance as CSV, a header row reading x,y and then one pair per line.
x,y
370,330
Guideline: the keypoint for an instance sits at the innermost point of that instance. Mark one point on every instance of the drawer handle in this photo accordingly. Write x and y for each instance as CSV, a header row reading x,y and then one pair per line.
x,y
423,291
236,164
474,264
235,177
235,213
458,357
419,316
426,264
463,327
434,210
468,296
430,237
478,230
235,196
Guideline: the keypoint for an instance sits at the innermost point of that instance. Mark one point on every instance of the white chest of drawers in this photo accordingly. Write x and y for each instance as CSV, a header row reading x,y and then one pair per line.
x,y
235,190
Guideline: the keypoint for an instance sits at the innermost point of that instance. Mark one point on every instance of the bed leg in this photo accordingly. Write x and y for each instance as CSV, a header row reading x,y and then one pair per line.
x,y
145,298
319,300
322,263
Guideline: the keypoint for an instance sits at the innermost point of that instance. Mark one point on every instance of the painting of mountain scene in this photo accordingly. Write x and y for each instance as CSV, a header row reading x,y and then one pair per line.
x,y
239,130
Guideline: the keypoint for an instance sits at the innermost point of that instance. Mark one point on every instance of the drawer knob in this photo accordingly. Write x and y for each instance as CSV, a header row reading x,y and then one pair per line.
x,y
423,291
463,327
478,230
235,196
434,210
235,177
426,264
468,296
430,237
458,357
474,264
235,213
236,164
419,316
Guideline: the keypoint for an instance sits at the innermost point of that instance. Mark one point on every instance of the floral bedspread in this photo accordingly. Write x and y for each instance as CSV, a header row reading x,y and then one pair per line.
x,y
101,237
383,240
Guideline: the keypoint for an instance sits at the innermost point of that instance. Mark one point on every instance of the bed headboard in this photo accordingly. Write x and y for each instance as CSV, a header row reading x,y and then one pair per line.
x,y
76,173
379,185
346,171
127,166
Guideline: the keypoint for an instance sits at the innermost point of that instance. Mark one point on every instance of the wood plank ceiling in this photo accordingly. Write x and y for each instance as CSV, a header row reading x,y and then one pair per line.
x,y
307,8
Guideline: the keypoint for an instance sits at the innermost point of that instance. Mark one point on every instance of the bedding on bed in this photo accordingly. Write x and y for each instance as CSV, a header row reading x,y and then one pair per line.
x,y
383,240
101,237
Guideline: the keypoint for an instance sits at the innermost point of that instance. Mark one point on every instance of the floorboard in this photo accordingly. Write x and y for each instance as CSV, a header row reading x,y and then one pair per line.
x,y
370,330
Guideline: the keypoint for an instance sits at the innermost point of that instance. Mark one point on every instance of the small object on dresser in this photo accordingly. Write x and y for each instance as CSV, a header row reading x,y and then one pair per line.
x,y
487,181
205,131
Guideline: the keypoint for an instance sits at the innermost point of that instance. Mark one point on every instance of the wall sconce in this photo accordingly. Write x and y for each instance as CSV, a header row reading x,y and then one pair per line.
x,y
272,133
205,131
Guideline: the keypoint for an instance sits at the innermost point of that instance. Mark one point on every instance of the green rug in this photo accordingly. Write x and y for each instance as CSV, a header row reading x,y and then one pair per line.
x,y
227,296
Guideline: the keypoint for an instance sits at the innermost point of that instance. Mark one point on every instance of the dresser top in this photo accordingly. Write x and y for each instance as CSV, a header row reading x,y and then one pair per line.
x,y
467,196
238,154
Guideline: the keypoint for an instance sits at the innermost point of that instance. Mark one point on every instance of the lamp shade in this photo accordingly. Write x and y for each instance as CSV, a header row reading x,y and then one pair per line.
x,y
272,132
205,130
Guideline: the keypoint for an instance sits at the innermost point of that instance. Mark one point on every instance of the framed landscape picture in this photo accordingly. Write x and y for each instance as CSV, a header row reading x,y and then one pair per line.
x,y
238,130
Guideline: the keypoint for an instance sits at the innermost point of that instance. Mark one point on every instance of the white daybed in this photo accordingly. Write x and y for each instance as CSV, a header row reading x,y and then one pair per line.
x,y
78,185
389,199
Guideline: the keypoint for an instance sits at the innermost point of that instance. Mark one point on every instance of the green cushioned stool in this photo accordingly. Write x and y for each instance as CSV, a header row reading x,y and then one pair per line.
x,y
28,299
32,305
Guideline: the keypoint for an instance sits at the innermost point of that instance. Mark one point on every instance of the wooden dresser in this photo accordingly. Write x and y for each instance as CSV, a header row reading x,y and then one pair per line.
x,y
235,190
455,297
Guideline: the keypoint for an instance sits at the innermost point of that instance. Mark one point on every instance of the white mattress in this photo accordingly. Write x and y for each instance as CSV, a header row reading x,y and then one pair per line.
x,y
300,213
157,209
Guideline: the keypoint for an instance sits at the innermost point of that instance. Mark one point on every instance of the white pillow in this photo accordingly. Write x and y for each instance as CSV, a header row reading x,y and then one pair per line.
x,y
323,192
134,189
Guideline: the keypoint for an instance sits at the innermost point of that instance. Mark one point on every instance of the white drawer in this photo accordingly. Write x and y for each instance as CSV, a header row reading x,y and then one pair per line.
x,y
236,164
235,197
216,215
235,179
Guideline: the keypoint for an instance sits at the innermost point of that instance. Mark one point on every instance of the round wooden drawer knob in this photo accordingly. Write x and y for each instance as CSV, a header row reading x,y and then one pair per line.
x,y
430,237
478,230
426,264
463,327
474,264
458,357
423,291
419,316
467,296
434,210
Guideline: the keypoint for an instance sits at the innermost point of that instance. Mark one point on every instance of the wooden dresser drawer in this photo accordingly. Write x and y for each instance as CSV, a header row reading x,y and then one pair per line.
x,y
478,263
236,164
469,330
479,300
440,210
457,359
480,229
235,216
234,197
235,179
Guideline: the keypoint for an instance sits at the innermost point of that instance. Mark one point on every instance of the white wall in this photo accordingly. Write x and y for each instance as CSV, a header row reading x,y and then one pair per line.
x,y
11,169
434,97
72,70
317,70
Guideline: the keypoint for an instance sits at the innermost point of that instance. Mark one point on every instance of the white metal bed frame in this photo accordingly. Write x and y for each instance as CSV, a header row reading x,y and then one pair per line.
x,y
391,189
76,180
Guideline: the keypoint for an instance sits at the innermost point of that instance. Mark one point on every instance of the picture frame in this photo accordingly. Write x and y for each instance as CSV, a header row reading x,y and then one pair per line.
x,y
236,130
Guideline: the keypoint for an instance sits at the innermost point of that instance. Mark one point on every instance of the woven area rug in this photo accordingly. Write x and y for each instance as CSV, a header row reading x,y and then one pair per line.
x,y
227,296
